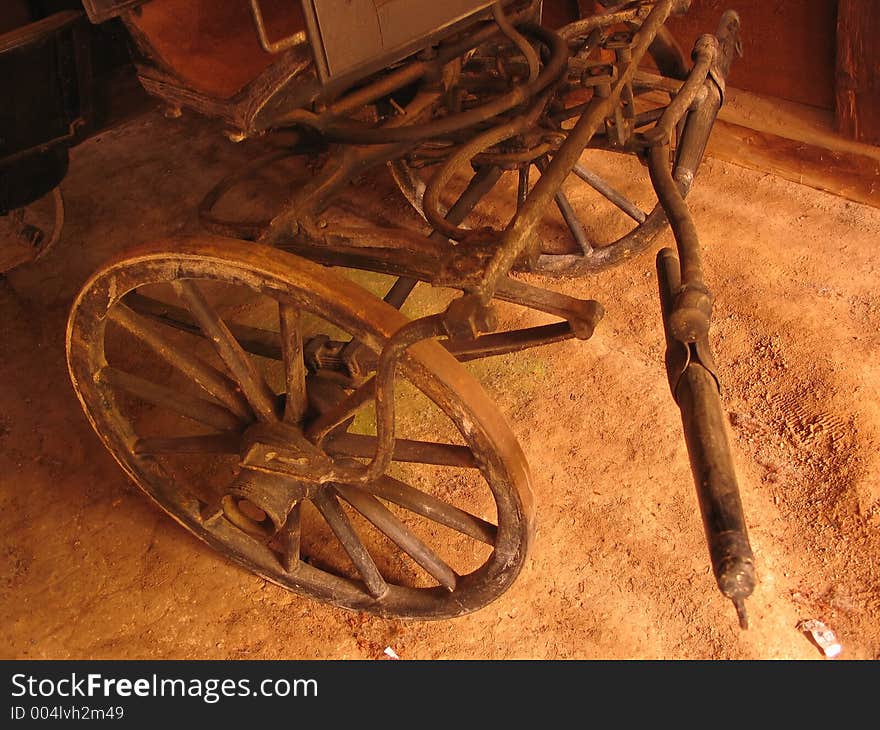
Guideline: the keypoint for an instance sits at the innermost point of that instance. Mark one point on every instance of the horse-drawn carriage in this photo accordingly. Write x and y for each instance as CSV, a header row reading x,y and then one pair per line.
x,y
324,441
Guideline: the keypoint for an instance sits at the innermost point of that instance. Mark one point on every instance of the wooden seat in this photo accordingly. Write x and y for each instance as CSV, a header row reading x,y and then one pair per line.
x,y
211,46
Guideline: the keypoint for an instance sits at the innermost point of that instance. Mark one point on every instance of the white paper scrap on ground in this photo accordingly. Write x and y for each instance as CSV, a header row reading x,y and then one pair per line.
x,y
824,637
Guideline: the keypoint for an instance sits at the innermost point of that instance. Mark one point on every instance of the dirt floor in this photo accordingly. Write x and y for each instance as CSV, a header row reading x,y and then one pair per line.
x,y
619,569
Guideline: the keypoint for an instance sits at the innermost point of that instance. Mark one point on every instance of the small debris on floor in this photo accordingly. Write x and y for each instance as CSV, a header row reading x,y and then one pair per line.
x,y
822,636
390,653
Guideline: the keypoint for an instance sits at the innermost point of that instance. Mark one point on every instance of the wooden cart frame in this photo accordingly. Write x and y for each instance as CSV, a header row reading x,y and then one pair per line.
x,y
493,93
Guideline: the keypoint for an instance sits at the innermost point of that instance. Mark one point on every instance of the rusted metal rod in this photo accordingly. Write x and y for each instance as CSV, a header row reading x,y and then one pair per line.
x,y
354,132
695,389
460,159
394,350
692,311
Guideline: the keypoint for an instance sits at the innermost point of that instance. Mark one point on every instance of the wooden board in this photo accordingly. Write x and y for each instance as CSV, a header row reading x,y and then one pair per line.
x,y
797,143
849,175
858,70
789,45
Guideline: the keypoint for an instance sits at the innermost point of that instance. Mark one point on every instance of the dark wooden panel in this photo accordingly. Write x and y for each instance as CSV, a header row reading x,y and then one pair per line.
x,y
13,14
557,13
789,45
858,70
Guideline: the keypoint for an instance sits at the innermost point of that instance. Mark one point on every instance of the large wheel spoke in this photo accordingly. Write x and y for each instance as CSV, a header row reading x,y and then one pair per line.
x,y
330,509
291,537
422,452
214,443
522,189
569,215
341,412
573,222
188,406
256,341
296,401
210,379
434,509
599,184
386,522
254,387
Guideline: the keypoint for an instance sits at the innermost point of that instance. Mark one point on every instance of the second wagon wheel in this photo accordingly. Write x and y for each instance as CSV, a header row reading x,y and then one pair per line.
x,y
607,210
229,443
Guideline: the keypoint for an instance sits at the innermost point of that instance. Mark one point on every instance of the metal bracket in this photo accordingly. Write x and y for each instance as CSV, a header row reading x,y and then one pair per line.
x,y
272,46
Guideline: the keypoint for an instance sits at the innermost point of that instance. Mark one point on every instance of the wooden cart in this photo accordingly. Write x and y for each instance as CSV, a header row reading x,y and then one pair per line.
x,y
295,449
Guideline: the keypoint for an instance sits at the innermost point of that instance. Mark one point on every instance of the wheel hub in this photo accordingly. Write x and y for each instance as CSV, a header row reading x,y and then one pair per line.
x,y
278,468
281,450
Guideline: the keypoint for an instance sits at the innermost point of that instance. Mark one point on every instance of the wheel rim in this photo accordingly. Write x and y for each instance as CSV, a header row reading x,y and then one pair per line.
x,y
232,526
593,255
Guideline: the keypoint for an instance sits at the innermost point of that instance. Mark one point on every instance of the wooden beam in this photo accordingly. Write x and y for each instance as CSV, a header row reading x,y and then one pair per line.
x,y
848,174
796,142
857,83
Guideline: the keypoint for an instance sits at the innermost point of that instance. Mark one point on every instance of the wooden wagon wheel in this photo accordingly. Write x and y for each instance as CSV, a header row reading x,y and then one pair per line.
x,y
228,462
639,222
577,252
